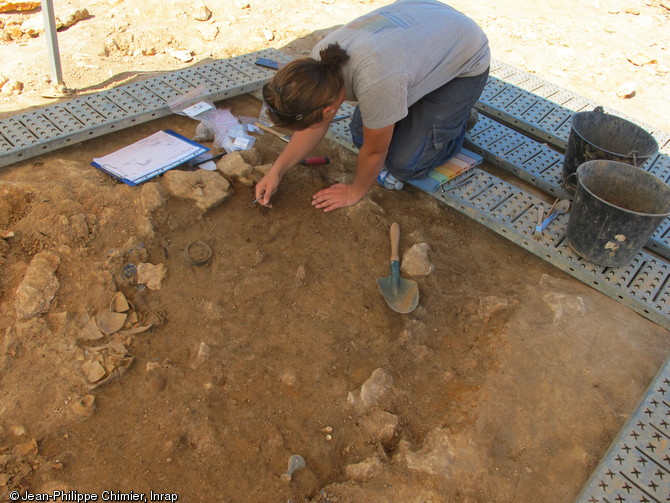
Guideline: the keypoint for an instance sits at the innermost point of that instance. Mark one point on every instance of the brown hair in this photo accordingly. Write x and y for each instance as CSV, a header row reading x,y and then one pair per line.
x,y
299,91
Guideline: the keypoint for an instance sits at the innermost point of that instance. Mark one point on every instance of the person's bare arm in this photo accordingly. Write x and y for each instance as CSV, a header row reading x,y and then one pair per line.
x,y
370,162
301,144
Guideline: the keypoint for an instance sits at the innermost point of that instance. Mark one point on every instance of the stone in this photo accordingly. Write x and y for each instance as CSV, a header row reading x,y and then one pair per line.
x,y
68,18
204,352
255,175
151,275
28,448
39,286
18,430
152,196
383,427
641,59
33,26
85,406
376,389
201,13
79,226
9,5
625,91
288,377
206,188
565,305
415,260
233,165
180,54
253,157
445,454
365,470
300,276
209,32
12,87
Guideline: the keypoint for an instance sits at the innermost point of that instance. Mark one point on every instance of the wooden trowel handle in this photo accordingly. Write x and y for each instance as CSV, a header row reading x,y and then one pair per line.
x,y
395,241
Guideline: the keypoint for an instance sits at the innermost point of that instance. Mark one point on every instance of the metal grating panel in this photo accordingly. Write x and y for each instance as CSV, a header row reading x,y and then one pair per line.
x,y
544,110
637,466
29,134
542,166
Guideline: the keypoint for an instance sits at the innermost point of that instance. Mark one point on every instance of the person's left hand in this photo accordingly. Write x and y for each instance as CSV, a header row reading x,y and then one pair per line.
x,y
336,196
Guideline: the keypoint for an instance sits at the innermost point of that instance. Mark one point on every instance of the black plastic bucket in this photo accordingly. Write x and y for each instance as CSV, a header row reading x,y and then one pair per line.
x,y
616,209
597,135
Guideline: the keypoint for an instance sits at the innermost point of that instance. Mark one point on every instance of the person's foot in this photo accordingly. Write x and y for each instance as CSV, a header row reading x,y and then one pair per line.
x,y
472,120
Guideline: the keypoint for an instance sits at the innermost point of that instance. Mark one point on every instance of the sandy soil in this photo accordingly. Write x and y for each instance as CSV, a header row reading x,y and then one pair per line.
x,y
506,384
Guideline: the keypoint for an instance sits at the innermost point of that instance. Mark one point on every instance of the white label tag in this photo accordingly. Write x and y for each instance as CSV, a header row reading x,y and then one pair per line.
x,y
241,143
197,109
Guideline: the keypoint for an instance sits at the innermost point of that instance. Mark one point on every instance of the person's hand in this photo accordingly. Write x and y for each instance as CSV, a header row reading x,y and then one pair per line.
x,y
266,188
336,196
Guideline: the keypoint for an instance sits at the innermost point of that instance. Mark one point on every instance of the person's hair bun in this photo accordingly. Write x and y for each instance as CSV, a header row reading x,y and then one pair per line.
x,y
333,56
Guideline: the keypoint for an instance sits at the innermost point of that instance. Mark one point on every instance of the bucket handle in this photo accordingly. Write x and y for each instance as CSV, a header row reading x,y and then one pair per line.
x,y
570,176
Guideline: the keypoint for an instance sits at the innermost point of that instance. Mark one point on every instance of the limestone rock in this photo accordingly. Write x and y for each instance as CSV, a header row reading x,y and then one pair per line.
x,y
151,275
9,5
201,13
382,427
565,305
180,54
204,352
626,91
33,26
39,286
208,31
252,156
206,188
365,470
12,86
300,276
152,196
444,454
233,165
79,226
376,389
71,17
415,261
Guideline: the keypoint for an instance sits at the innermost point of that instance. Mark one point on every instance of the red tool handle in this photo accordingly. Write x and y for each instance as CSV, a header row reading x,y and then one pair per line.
x,y
315,161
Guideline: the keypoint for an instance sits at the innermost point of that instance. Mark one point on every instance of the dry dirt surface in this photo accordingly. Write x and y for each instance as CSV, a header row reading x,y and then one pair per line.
x,y
506,384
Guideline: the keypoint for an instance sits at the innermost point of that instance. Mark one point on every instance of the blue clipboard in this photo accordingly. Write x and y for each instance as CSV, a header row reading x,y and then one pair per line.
x,y
149,157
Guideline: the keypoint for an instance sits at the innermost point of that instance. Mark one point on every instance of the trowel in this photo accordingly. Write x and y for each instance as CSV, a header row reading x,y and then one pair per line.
x,y
402,295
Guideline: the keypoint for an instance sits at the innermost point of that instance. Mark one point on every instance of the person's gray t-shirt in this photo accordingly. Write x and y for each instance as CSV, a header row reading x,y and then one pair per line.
x,y
403,51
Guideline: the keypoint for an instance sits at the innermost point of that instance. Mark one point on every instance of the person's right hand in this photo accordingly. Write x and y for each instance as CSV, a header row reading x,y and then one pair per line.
x,y
266,187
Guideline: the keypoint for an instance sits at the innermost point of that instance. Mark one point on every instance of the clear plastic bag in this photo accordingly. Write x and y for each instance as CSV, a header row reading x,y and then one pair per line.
x,y
194,104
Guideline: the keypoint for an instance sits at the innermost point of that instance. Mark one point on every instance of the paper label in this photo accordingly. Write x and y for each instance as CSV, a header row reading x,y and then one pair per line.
x,y
241,143
197,109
